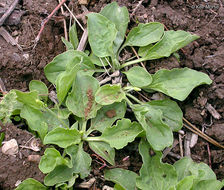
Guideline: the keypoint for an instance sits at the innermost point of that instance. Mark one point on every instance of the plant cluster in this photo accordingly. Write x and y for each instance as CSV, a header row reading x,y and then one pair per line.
x,y
86,112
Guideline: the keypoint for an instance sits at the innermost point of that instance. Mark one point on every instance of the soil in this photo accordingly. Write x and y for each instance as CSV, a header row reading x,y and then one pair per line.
x,y
205,18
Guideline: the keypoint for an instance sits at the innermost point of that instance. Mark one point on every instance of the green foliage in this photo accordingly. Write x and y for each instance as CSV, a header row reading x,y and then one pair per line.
x,y
92,115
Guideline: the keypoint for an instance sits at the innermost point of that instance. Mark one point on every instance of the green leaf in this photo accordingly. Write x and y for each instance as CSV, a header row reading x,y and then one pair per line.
x,y
144,34
40,87
29,98
177,83
81,160
158,134
170,43
68,44
101,34
120,17
29,184
186,183
54,121
108,94
81,101
208,185
154,174
125,178
107,115
104,150
96,60
8,105
119,135
63,137
35,120
73,37
2,136
60,174
138,76
67,60
50,160
172,114
118,187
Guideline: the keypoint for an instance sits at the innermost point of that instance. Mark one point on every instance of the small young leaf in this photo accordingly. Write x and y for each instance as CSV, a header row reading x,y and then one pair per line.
x,y
63,137
177,83
29,184
80,159
172,114
170,43
81,100
73,37
50,160
138,77
119,135
68,44
67,60
60,174
29,98
158,134
104,150
120,17
39,86
124,178
8,105
35,120
101,34
154,174
144,34
108,94
107,115
96,60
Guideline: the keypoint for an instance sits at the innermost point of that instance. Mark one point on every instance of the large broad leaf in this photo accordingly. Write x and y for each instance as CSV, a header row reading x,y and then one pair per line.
x,y
154,174
73,37
80,159
29,184
177,83
104,150
124,178
29,98
35,120
172,114
101,34
81,101
67,60
50,160
158,133
63,137
8,105
107,115
144,34
138,77
108,94
170,43
60,174
120,17
119,135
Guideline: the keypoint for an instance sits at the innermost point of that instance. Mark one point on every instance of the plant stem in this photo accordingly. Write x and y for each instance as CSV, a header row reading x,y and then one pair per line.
x,y
84,125
54,114
96,139
134,98
128,101
132,62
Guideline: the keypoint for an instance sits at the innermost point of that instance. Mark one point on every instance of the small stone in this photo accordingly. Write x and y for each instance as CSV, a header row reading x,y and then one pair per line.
x,y
10,147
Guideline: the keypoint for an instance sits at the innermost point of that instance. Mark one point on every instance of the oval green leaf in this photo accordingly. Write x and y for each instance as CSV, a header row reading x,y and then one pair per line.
x,y
29,184
138,76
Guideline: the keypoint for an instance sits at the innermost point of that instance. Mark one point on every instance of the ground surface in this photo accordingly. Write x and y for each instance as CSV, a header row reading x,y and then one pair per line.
x,y
204,18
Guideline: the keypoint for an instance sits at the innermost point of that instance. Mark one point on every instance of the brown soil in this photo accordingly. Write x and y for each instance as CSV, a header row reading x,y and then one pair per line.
x,y
17,67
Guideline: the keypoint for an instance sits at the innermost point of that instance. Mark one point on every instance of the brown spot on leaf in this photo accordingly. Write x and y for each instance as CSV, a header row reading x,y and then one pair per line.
x,y
111,113
90,97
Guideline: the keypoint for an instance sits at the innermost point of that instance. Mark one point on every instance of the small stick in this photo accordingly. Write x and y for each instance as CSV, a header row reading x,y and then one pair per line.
x,y
64,21
209,156
83,41
135,9
181,146
8,12
47,19
133,49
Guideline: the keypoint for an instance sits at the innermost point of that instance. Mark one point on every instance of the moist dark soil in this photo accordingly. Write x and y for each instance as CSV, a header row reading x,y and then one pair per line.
x,y
204,18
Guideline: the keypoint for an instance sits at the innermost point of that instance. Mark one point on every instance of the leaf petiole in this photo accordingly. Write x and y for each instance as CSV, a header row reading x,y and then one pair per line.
x,y
93,139
132,62
133,98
